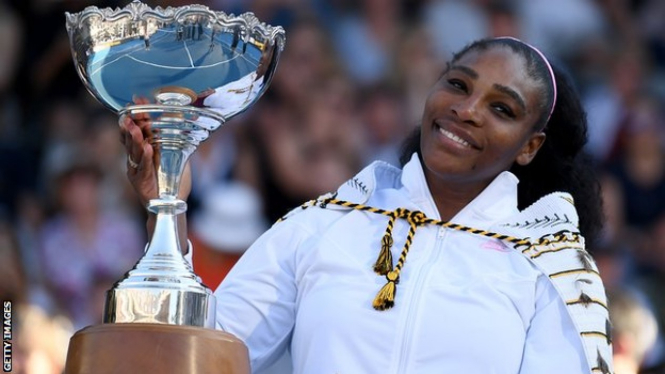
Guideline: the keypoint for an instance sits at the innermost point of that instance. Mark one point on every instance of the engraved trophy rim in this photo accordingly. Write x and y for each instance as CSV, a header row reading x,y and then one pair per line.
x,y
251,28
137,9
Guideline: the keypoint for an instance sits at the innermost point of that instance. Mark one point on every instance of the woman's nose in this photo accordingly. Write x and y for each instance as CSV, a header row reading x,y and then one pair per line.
x,y
467,110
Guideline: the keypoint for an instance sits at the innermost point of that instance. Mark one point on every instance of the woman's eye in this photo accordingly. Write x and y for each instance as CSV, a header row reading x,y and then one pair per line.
x,y
458,84
504,110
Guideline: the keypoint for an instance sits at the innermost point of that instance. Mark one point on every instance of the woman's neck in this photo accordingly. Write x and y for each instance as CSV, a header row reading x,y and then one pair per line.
x,y
451,197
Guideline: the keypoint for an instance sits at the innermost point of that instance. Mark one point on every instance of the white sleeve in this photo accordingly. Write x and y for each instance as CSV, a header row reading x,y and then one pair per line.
x,y
553,345
256,301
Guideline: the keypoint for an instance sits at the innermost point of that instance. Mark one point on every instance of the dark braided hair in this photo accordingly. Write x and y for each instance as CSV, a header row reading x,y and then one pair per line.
x,y
561,164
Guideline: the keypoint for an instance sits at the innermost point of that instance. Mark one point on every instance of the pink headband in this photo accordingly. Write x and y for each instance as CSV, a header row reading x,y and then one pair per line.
x,y
547,63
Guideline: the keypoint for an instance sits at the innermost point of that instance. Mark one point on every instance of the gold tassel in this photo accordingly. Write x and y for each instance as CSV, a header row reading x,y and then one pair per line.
x,y
385,299
384,263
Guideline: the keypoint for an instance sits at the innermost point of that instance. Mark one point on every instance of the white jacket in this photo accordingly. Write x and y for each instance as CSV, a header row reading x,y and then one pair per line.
x,y
464,304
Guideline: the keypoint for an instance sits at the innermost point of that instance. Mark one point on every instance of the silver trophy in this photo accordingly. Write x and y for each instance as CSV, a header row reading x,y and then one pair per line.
x,y
194,69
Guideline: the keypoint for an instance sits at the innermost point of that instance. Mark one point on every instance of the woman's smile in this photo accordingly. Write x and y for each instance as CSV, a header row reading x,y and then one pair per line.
x,y
453,137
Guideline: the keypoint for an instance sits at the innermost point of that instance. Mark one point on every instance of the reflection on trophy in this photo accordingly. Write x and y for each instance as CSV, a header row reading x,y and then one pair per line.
x,y
194,69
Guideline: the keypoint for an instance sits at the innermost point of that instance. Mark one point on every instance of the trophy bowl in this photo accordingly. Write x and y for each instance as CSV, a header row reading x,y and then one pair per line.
x,y
193,69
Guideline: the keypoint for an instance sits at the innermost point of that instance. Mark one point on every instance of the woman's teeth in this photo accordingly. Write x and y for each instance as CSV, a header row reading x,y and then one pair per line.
x,y
454,137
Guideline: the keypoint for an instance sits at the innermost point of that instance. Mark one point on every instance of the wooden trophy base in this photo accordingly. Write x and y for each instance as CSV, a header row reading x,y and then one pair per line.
x,y
155,348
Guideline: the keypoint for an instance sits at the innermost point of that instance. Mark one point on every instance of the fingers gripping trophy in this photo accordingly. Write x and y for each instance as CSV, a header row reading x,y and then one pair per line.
x,y
180,73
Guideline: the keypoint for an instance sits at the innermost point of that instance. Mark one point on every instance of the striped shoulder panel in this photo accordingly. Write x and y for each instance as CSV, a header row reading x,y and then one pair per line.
x,y
574,274
558,250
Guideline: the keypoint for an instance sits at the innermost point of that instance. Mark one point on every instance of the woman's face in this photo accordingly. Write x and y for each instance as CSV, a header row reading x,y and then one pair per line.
x,y
480,118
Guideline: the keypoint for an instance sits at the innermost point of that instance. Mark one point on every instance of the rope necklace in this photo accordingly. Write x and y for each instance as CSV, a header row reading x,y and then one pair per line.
x,y
385,298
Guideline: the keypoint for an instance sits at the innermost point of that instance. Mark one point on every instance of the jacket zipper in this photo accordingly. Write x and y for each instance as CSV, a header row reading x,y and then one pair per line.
x,y
414,300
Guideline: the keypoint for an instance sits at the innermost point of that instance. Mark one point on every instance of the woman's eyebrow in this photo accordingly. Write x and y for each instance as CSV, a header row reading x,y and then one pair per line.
x,y
512,93
466,70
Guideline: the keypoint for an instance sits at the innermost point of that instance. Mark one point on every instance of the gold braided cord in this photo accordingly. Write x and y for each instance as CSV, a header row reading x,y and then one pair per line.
x,y
424,221
385,298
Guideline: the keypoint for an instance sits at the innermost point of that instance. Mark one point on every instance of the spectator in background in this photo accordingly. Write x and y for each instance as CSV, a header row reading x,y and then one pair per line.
x,y
40,340
309,59
64,131
82,243
648,19
13,286
615,249
417,66
384,124
28,222
225,226
301,139
634,330
17,175
503,19
651,281
212,163
451,24
366,38
104,151
613,102
300,154
11,47
641,168
561,27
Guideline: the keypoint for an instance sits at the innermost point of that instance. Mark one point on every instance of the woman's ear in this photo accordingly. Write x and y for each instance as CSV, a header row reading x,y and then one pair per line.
x,y
530,149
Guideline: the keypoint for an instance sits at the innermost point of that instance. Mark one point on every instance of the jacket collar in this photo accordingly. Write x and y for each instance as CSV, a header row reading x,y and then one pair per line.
x,y
495,203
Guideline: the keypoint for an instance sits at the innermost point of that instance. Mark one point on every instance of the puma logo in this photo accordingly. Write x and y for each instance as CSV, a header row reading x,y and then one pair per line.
x,y
495,245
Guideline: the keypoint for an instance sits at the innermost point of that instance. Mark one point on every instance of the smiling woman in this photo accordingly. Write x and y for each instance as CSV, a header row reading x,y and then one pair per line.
x,y
470,258
530,100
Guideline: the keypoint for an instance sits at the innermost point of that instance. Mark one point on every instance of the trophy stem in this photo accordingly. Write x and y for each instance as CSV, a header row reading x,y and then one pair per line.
x,y
162,288
170,160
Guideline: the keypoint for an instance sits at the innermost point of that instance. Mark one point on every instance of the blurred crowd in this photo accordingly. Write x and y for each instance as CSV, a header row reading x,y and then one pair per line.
x,y
350,85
